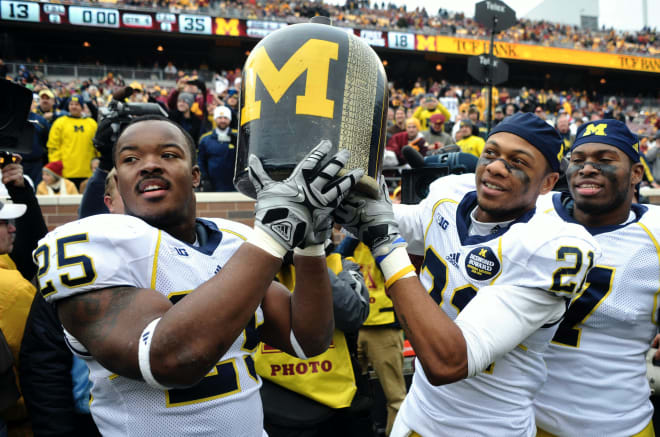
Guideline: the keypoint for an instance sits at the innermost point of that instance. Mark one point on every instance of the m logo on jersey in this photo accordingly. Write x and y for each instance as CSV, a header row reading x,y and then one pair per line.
x,y
595,129
482,264
79,128
453,258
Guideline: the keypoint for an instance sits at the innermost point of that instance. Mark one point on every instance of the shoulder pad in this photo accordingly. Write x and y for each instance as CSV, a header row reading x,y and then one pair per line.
x,y
97,252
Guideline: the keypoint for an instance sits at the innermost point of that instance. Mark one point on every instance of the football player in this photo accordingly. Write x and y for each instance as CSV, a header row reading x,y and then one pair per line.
x,y
167,309
495,281
596,361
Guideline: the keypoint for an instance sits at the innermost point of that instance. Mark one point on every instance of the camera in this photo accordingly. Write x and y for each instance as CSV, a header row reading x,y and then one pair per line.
x,y
6,158
415,182
16,132
120,114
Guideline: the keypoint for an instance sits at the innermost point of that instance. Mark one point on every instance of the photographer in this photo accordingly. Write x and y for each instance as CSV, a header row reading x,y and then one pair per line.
x,y
16,268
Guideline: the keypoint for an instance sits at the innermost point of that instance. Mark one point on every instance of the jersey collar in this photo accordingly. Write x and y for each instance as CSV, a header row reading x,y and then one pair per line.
x,y
563,204
208,235
463,221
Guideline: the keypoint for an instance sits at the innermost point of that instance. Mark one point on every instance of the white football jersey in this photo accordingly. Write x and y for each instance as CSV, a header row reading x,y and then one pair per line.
x,y
107,250
596,368
535,251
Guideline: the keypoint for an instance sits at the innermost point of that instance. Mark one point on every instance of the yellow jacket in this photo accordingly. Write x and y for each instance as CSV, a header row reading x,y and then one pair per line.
x,y
423,115
16,295
472,144
66,187
70,141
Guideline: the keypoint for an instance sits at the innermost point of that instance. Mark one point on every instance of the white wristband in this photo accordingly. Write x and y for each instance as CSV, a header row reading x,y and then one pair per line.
x,y
396,266
314,250
300,353
143,355
266,243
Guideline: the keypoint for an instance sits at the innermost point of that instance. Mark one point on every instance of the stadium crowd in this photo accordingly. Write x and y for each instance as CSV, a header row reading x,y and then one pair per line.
x,y
201,106
387,16
73,153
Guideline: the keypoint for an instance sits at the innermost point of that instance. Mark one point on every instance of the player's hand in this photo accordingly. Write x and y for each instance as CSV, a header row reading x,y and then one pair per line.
x,y
656,344
297,212
371,221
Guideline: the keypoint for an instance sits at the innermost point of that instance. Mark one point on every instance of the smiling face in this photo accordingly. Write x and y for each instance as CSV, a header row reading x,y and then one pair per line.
x,y
155,176
510,175
601,179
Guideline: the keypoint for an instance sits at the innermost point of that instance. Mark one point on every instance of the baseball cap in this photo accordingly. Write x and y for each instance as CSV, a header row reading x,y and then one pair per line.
x,y
466,123
47,92
437,118
76,98
536,132
10,211
429,96
609,131
498,109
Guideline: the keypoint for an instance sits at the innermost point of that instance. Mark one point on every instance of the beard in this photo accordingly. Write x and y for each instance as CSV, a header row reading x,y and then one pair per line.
x,y
594,208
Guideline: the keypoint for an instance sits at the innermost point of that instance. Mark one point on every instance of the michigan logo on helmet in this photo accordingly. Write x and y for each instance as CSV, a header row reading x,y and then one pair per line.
x,y
305,83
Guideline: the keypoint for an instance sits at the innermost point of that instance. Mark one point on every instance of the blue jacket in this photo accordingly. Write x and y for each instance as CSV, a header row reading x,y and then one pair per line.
x,y
217,157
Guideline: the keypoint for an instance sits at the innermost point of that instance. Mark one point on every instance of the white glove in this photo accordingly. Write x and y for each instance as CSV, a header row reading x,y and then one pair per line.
x,y
298,210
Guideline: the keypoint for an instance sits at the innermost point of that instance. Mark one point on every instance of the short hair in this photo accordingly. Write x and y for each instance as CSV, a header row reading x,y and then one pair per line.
x,y
110,183
192,147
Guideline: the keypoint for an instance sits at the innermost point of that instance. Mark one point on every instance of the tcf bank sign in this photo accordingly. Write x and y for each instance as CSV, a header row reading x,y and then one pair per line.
x,y
438,43
639,64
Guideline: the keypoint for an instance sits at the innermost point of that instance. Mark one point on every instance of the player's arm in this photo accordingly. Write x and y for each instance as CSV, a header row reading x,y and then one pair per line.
x,y
190,337
306,314
495,321
310,324
411,226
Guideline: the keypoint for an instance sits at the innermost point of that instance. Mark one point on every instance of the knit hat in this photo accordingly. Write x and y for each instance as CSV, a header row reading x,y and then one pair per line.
x,y
187,97
611,132
536,132
54,168
222,111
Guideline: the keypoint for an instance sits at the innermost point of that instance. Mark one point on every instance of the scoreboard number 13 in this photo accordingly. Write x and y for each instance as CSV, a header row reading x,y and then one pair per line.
x,y
20,11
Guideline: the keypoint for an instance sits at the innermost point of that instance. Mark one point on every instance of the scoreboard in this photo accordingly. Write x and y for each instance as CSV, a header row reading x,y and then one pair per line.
x,y
55,14
194,24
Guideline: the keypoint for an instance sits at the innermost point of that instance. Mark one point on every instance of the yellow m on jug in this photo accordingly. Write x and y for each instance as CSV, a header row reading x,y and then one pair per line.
x,y
314,57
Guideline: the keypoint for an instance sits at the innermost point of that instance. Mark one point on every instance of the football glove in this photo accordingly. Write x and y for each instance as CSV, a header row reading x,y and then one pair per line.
x,y
297,212
371,221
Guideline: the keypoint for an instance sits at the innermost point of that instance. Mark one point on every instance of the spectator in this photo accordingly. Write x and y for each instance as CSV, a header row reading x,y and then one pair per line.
x,y
93,165
17,241
70,141
498,116
170,70
231,102
411,137
47,108
35,160
321,403
653,160
183,115
399,124
435,136
53,182
429,106
468,142
380,341
217,153
474,116
562,125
